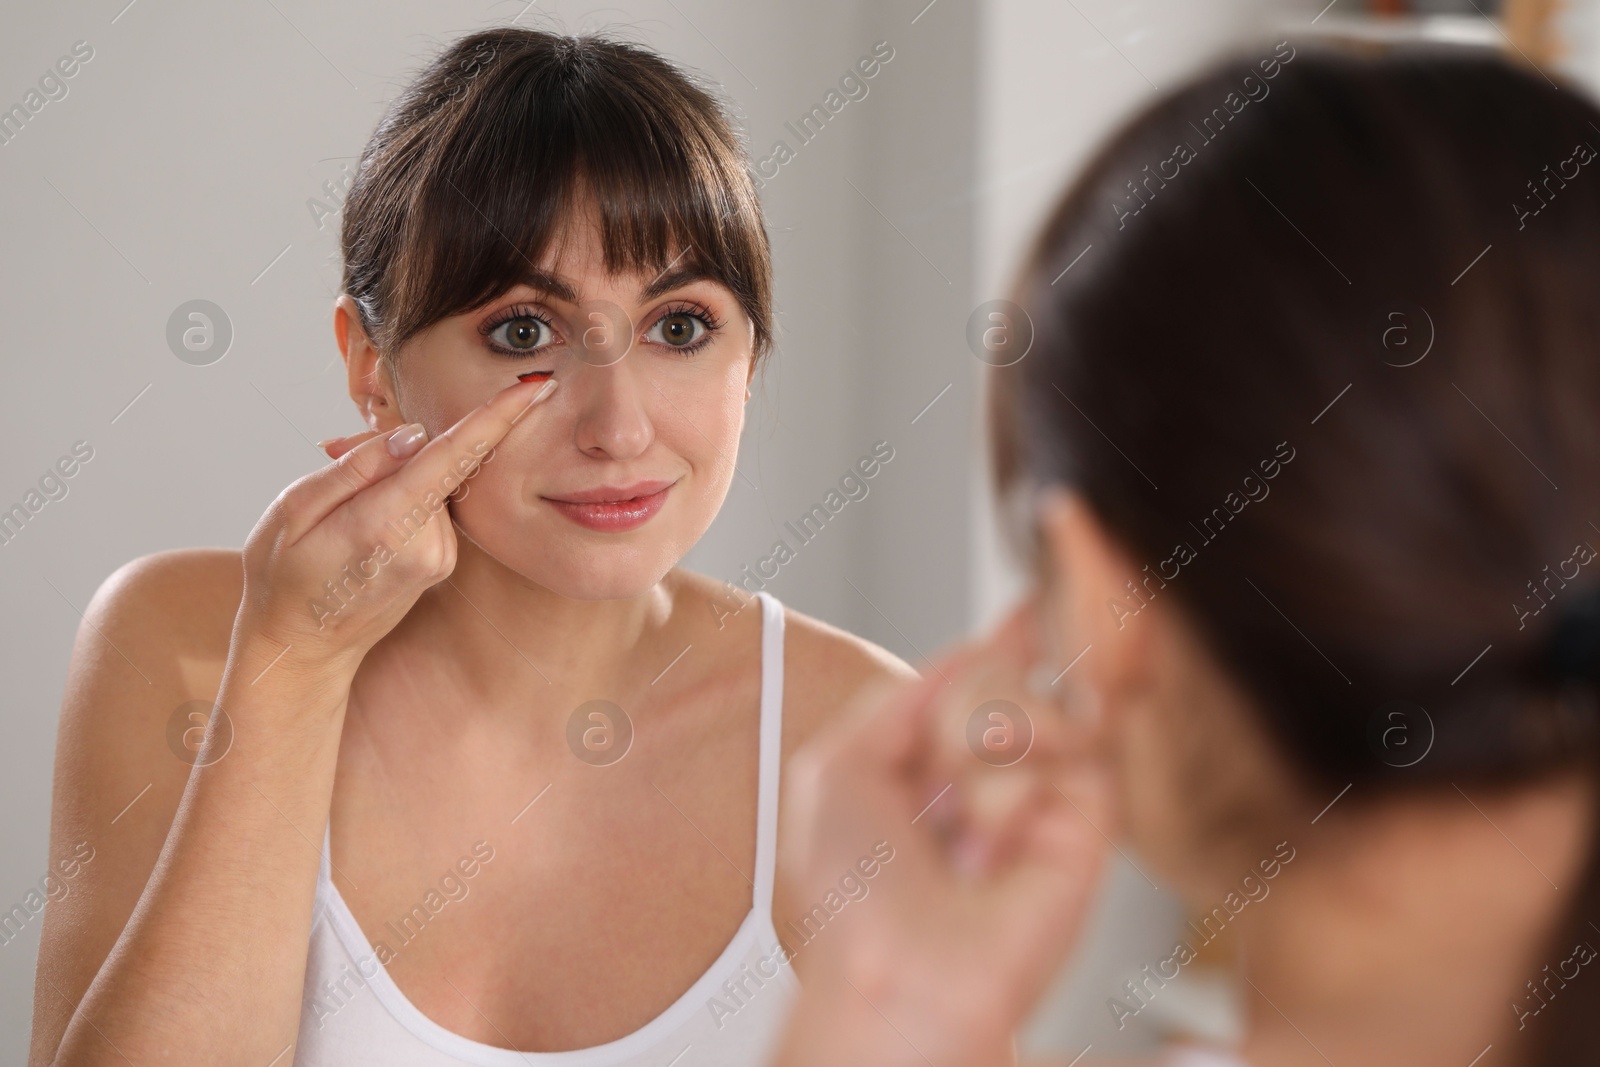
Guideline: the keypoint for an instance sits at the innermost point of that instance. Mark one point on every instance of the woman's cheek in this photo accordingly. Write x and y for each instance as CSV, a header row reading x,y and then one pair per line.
x,y
705,414
480,505
499,492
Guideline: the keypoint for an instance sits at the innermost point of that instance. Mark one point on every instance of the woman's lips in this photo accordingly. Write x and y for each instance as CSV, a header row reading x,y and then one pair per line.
x,y
613,510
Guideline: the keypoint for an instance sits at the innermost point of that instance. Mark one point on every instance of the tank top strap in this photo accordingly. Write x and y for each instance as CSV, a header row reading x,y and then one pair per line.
x,y
324,874
771,751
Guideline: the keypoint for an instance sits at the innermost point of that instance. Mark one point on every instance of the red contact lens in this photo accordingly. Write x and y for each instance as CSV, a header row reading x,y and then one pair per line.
x,y
535,376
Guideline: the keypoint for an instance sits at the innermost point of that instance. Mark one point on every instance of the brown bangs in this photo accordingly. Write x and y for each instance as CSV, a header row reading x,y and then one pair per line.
x,y
476,167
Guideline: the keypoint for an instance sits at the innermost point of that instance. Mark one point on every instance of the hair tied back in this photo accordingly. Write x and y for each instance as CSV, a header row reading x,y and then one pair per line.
x,y
1572,650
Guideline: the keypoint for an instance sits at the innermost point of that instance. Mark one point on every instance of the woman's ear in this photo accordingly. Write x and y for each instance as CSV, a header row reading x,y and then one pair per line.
x,y
367,373
1087,604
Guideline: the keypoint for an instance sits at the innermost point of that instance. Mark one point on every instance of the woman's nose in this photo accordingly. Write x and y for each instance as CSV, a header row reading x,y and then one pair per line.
x,y
613,410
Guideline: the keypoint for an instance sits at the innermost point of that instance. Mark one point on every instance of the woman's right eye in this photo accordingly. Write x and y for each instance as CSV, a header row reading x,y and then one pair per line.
x,y
522,335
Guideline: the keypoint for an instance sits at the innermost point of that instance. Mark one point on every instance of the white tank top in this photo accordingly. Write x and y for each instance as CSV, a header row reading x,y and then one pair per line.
x,y
353,1014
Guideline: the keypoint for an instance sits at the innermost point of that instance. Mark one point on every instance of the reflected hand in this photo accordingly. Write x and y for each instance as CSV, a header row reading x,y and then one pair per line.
x,y
995,860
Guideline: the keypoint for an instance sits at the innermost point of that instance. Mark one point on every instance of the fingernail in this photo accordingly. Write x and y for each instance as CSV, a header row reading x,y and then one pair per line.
x,y
407,439
325,442
544,390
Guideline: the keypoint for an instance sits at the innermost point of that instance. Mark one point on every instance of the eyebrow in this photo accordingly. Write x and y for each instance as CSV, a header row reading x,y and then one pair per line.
x,y
546,282
549,283
670,280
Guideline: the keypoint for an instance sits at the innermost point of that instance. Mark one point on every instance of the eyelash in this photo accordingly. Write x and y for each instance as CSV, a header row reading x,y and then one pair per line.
x,y
695,310
692,308
511,314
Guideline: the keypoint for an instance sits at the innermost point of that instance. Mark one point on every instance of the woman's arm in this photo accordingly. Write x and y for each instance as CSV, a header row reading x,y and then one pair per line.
x,y
183,937
208,961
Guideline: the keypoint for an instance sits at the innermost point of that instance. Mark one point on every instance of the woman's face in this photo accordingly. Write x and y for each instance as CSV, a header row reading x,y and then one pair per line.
x,y
1201,792
608,483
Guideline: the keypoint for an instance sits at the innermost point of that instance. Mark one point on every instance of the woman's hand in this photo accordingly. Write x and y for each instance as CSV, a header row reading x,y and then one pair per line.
x,y
342,554
989,799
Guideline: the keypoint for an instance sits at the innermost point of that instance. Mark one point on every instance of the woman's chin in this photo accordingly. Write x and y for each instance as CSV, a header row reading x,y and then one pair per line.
x,y
605,587
598,576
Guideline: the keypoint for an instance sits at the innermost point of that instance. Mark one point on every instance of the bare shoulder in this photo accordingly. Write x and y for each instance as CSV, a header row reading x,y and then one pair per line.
x,y
823,668
158,626
155,634
154,638
146,665
187,590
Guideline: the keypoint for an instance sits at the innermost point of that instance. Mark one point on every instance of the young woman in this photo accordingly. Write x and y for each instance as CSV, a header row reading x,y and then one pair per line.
x,y
1311,441
490,780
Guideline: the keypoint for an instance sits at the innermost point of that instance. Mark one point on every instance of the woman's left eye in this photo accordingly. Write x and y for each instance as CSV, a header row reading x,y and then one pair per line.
x,y
678,329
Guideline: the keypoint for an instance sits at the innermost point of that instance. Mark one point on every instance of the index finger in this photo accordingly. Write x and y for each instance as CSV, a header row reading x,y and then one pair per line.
x,y
452,457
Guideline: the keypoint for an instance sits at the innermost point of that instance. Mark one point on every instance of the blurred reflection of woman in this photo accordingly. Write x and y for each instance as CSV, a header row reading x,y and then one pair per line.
x,y
1312,439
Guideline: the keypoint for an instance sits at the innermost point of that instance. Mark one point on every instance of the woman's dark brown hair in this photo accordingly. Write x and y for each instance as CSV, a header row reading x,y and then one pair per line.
x,y
1330,366
475,166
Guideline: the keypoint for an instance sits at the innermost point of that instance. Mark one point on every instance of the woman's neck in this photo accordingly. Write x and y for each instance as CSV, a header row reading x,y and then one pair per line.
x,y
501,639
1406,929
